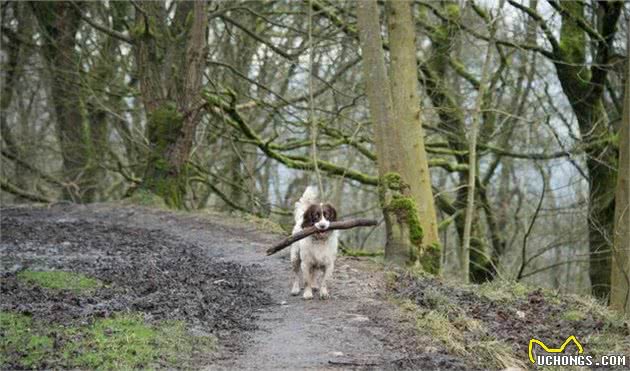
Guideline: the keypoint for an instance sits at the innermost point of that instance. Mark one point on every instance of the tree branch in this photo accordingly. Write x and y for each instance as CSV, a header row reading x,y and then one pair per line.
x,y
256,37
10,188
113,33
345,224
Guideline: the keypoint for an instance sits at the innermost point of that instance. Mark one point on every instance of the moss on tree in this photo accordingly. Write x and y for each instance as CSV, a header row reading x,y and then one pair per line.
x,y
397,204
162,177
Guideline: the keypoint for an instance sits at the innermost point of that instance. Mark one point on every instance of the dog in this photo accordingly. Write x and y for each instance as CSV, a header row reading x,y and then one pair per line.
x,y
317,251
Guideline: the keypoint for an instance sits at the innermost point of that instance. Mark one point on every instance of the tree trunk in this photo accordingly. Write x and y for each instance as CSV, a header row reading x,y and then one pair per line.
x,y
16,54
60,22
414,169
464,253
403,230
620,278
101,78
584,90
170,60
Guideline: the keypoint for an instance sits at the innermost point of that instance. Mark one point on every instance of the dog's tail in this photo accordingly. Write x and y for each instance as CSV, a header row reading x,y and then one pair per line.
x,y
308,198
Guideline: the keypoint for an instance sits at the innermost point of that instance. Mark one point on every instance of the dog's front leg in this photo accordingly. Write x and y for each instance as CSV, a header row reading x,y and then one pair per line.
x,y
328,269
295,265
307,271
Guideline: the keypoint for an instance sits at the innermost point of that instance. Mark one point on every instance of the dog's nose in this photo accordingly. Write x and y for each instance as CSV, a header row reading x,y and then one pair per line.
x,y
322,225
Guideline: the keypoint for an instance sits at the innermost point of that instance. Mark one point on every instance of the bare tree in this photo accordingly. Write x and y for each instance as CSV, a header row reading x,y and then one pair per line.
x,y
403,169
620,280
170,59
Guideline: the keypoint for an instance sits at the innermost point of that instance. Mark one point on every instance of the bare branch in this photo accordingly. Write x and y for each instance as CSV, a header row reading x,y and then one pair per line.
x,y
10,188
345,224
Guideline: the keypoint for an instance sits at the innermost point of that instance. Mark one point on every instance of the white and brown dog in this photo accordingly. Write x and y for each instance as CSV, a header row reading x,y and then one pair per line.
x,y
317,251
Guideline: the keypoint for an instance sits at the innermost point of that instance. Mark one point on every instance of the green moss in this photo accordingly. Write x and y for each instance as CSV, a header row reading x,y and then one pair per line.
x,y
61,280
573,42
405,209
393,181
452,10
430,258
165,124
360,252
121,342
162,178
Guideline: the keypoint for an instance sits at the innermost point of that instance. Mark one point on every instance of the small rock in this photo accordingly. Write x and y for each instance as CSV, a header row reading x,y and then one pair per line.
x,y
337,354
520,314
284,302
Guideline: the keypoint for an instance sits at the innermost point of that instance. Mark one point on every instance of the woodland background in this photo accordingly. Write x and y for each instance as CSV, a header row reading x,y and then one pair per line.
x,y
239,105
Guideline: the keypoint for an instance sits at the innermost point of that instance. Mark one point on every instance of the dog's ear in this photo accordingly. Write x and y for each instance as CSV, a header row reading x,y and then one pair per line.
x,y
330,213
311,216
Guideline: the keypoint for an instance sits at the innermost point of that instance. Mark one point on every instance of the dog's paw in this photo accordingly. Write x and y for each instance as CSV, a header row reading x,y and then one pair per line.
x,y
308,295
295,291
324,295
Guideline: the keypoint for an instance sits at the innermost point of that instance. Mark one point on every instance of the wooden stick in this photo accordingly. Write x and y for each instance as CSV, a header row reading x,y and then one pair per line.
x,y
345,224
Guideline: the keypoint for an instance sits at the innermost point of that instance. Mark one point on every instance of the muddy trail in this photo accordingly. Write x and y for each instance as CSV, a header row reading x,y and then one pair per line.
x,y
211,272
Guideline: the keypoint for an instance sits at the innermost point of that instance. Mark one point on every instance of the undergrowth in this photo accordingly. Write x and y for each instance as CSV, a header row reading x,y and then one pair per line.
x,y
124,341
491,324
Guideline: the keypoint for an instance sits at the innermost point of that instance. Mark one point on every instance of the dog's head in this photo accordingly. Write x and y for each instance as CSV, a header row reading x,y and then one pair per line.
x,y
320,216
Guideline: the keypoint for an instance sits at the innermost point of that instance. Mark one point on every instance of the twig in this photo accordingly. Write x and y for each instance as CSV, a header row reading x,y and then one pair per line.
x,y
345,224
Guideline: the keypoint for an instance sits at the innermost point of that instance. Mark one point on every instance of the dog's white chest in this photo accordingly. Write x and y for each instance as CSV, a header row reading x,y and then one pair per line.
x,y
319,251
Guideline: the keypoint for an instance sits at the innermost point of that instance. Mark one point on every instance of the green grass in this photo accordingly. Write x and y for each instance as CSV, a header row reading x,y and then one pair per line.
x,y
444,320
61,280
450,329
122,342
502,290
573,315
360,252
17,337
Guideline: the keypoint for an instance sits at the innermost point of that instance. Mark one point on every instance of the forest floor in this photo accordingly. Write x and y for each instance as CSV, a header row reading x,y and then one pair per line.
x,y
124,286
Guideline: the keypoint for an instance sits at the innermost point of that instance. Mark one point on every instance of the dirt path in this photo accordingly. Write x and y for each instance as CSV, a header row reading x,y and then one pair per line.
x,y
356,328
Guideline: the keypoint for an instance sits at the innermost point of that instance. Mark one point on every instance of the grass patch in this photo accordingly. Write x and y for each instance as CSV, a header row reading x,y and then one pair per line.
x,y
18,339
121,342
60,280
613,337
468,338
441,328
439,315
574,315
500,290
348,251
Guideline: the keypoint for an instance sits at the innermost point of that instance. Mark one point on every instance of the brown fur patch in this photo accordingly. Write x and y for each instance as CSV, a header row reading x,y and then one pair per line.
x,y
314,214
